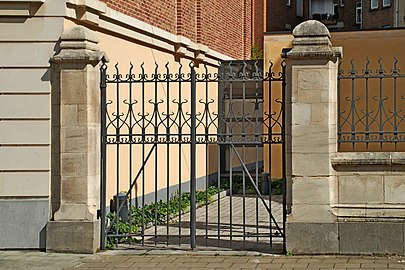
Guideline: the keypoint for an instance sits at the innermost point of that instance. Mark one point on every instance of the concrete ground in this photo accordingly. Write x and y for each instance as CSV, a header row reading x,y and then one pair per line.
x,y
128,259
230,224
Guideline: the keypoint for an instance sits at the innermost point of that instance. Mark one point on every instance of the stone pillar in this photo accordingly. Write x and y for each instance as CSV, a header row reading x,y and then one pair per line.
x,y
311,135
74,226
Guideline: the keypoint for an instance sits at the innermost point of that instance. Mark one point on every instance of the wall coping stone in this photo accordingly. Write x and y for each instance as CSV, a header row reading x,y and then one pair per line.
x,y
368,158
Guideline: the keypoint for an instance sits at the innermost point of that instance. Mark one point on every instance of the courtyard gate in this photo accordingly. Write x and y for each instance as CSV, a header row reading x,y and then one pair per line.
x,y
184,156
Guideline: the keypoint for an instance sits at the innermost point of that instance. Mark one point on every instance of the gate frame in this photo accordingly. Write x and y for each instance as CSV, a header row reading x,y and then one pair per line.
x,y
272,138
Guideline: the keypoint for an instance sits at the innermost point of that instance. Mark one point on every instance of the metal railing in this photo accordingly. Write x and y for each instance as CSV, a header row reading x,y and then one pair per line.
x,y
371,107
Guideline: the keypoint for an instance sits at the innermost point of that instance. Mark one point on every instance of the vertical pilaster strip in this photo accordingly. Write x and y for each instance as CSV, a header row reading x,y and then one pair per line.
x,y
311,131
76,143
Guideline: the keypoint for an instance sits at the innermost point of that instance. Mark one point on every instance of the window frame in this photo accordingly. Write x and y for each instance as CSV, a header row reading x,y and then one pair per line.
x,y
288,3
342,3
375,6
386,5
359,19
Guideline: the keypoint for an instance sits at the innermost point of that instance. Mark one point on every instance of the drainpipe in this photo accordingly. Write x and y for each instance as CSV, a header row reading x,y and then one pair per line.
x,y
396,19
361,19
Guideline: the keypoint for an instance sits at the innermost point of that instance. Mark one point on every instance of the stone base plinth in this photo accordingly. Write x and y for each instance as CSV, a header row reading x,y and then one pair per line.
x,y
346,238
73,236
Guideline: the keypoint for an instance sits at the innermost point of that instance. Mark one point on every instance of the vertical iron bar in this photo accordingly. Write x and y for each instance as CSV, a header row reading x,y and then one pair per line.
x,y
219,139
381,131
257,148
244,152
143,153
284,158
180,114
156,116
130,133
103,92
193,159
395,111
231,114
367,109
167,151
118,138
270,141
206,154
352,110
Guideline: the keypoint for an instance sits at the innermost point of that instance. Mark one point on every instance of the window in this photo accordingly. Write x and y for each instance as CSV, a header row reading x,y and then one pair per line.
x,y
374,4
386,3
342,3
358,13
288,2
300,8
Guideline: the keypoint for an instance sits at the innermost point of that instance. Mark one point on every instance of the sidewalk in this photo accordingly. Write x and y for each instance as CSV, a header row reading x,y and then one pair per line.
x,y
27,260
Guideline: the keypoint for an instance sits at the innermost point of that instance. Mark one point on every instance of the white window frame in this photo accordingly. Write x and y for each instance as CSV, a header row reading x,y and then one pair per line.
x,y
386,3
373,4
288,3
359,18
342,3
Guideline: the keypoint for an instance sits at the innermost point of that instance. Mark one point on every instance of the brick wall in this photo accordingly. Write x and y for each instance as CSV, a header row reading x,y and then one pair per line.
x,y
279,15
186,18
224,26
160,13
347,14
376,18
257,23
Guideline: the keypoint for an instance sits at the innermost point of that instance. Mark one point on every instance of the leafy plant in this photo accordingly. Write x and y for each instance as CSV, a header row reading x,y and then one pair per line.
x,y
256,53
154,214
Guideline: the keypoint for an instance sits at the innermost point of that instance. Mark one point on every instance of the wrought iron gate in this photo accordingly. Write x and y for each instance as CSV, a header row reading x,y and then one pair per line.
x,y
184,156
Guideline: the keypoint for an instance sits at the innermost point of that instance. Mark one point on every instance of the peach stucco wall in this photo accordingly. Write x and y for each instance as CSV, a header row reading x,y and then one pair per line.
x,y
124,52
357,45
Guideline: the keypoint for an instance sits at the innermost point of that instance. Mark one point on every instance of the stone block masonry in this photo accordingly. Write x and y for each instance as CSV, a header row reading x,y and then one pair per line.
x,y
347,203
75,144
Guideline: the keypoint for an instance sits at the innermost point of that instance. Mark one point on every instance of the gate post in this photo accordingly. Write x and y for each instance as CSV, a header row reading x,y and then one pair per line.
x,y
75,185
311,131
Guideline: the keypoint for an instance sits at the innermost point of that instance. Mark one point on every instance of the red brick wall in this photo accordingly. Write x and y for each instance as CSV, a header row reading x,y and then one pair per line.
x,y
222,25
160,13
258,23
186,18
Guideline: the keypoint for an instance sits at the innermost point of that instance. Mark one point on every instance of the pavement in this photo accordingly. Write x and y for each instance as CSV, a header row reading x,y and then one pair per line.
x,y
180,260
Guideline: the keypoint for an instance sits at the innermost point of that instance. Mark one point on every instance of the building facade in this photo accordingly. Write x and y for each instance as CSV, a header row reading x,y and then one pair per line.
x,y
165,31
335,14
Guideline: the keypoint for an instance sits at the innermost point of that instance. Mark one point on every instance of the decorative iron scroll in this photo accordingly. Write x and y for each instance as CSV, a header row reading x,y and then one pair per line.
x,y
371,104
145,115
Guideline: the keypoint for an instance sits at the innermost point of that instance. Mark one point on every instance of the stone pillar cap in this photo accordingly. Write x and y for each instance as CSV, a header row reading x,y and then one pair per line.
x,y
312,40
311,28
79,45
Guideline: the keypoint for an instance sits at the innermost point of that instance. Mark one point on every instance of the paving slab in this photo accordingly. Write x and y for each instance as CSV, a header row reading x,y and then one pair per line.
x,y
115,260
